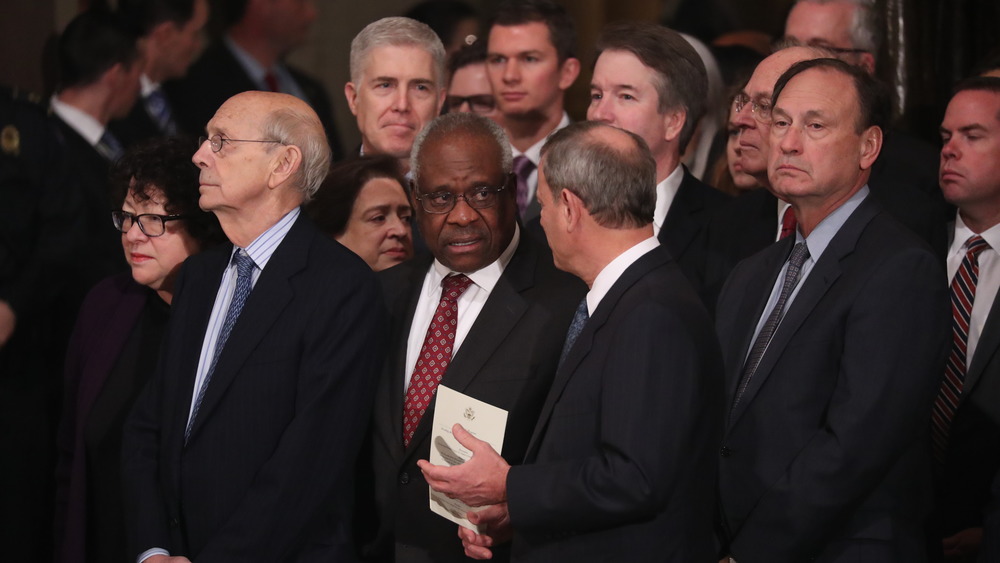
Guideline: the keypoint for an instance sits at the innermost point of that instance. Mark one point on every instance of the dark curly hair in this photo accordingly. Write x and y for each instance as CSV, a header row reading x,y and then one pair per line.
x,y
163,166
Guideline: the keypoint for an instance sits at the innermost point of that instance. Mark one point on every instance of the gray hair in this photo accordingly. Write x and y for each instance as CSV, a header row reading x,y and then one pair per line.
x,y
864,32
462,123
617,186
396,32
292,127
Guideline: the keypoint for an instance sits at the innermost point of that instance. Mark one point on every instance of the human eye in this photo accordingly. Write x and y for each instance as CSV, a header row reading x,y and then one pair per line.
x,y
482,193
496,59
780,123
626,97
532,58
439,199
377,218
595,96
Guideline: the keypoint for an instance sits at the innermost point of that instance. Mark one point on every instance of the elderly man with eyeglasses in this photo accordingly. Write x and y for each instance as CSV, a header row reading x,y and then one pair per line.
x,y
511,309
243,446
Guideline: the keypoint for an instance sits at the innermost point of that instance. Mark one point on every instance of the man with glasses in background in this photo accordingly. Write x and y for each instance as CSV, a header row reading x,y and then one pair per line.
x,y
469,86
243,445
502,307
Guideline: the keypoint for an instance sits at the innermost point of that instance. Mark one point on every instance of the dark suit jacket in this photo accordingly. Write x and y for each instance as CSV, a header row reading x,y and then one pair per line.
x,y
683,228
109,314
217,76
137,126
620,465
267,473
826,455
507,359
991,533
973,457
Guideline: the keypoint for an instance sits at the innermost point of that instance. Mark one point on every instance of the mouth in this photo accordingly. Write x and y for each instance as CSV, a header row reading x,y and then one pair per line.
x,y
137,258
513,96
947,175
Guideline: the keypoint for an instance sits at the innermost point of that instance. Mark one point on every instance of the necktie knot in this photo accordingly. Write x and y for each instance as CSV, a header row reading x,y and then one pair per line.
x,y
454,286
800,253
523,167
244,264
974,246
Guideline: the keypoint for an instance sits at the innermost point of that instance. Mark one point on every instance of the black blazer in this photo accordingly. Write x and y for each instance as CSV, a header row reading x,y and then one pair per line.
x,y
684,225
217,76
826,455
267,474
973,456
507,359
620,465
138,125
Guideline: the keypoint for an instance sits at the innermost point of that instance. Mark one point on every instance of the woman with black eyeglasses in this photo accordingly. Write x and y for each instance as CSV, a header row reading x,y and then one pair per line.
x,y
116,342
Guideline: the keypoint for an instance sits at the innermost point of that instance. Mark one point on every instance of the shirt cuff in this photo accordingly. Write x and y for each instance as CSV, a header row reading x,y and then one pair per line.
x,y
151,552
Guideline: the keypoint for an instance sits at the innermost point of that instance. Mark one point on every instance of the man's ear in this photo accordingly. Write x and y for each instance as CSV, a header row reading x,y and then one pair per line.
x,y
351,93
573,209
673,124
285,165
568,73
871,146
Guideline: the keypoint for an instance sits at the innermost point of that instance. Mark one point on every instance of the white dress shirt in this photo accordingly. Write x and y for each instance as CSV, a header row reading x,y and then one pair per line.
x,y
666,191
614,270
989,277
470,304
80,121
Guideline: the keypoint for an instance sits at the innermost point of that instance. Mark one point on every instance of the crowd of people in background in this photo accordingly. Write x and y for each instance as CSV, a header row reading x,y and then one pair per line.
x,y
732,313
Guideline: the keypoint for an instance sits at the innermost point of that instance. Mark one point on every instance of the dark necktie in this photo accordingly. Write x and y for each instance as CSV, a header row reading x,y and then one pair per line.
x,y
158,108
272,82
963,293
109,147
435,354
788,223
575,328
523,167
800,253
244,279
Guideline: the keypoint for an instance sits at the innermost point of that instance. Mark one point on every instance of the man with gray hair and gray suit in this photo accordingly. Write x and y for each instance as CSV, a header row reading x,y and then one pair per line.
x,y
397,84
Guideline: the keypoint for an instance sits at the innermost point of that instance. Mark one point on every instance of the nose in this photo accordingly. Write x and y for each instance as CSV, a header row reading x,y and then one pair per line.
x,y
791,140
949,150
598,111
511,72
401,101
201,156
463,213
134,233
398,228
744,118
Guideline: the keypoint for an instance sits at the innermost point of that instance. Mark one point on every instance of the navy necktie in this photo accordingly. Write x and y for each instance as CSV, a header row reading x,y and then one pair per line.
x,y
798,257
109,147
158,108
575,328
244,278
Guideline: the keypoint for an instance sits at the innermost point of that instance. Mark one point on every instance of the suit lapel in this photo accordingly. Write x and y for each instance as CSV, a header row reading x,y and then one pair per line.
x,y
391,394
268,299
986,350
584,342
681,224
499,316
823,275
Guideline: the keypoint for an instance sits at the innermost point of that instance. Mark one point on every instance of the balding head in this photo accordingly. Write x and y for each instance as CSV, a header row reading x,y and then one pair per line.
x,y
753,119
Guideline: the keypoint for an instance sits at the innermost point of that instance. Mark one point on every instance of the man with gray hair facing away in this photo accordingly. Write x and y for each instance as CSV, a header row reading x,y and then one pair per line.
x,y
397,84
242,447
619,467
511,309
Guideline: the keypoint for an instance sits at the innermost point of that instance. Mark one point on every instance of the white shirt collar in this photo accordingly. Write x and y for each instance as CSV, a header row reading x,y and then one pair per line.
x,y
614,270
666,191
147,86
534,152
82,122
963,232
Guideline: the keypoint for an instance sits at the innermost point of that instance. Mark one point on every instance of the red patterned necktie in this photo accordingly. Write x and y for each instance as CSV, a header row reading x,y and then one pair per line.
x,y
963,293
788,223
435,354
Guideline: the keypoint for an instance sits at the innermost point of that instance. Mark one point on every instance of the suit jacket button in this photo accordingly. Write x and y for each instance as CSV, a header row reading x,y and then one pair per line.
x,y
404,478
174,522
725,451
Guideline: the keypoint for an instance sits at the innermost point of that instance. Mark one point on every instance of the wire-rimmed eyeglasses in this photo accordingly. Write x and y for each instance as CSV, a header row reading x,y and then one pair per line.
x,y
216,141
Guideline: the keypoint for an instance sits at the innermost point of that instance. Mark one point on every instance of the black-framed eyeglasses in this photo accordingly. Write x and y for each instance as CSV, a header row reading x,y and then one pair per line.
x,y
151,224
760,110
477,198
480,103
216,141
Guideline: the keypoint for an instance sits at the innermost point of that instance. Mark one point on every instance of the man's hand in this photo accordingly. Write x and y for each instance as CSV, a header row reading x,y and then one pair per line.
x,y
494,523
963,544
480,481
8,320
